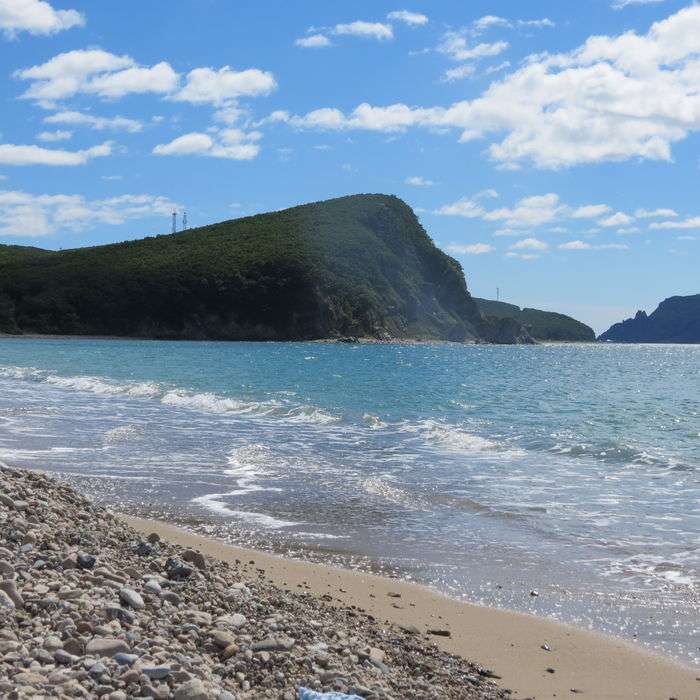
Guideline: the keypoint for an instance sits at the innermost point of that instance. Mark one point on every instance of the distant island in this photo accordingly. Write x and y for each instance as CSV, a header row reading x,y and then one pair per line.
x,y
541,325
675,320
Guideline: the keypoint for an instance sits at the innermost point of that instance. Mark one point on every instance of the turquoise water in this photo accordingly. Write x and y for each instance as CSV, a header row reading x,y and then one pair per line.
x,y
487,472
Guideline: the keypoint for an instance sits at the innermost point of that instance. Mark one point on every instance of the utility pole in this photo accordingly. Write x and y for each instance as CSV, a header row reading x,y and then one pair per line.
x,y
184,221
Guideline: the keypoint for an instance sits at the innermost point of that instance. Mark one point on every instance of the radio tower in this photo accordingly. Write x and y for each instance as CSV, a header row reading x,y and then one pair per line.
x,y
174,221
184,220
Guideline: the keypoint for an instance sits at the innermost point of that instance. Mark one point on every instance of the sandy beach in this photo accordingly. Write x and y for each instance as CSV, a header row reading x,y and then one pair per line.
x,y
510,644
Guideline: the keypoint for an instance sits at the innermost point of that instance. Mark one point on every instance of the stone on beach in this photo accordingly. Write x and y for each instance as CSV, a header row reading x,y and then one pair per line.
x,y
106,646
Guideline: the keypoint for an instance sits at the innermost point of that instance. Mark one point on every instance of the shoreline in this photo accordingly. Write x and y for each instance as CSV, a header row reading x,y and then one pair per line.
x,y
519,648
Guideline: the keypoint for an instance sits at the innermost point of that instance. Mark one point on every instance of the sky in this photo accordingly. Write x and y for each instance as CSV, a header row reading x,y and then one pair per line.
x,y
551,147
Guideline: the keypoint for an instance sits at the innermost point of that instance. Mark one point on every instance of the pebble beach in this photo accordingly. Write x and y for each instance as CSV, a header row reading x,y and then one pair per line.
x,y
91,607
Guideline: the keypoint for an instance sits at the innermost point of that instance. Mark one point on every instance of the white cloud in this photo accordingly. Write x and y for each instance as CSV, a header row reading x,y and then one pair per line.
x,y
471,249
97,123
419,181
618,219
94,72
27,215
411,18
314,41
482,24
530,211
613,98
686,223
207,85
488,21
575,245
655,213
458,73
370,30
35,17
51,136
457,47
530,244
233,144
621,4
464,207
591,211
11,154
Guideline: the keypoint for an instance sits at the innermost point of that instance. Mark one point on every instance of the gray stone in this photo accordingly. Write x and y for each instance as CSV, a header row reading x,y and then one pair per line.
x,y
6,603
125,659
156,673
196,558
130,597
61,656
191,690
106,646
6,569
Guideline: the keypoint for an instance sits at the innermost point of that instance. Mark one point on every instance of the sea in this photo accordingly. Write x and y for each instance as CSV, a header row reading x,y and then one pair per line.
x,y
560,480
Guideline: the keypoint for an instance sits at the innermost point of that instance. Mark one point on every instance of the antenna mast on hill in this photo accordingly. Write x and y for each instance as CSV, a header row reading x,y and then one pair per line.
x,y
498,293
174,221
184,220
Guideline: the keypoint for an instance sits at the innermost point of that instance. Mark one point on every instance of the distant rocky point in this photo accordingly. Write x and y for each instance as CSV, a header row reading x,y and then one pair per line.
x,y
540,325
676,320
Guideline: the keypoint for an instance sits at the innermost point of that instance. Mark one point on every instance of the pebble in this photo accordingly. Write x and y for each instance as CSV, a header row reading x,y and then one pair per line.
x,y
156,673
130,597
196,558
106,646
191,690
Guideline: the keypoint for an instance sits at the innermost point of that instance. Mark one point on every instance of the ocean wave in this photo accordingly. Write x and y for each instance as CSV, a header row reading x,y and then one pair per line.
x,y
207,402
103,387
122,433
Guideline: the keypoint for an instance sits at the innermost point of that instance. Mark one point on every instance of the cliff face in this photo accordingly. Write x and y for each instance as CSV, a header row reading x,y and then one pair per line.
x,y
355,266
675,320
541,325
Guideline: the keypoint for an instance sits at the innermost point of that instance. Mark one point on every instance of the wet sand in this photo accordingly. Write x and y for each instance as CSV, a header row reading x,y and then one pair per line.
x,y
573,661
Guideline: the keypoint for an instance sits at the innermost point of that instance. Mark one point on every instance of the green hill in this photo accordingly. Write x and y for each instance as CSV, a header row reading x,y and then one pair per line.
x,y
541,325
354,266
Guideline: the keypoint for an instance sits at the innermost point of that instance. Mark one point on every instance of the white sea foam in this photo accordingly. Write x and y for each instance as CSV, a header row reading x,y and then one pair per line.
x,y
215,503
381,486
248,464
102,387
213,403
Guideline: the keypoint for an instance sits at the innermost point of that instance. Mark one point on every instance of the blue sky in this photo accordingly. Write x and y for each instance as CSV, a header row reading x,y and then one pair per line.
x,y
551,147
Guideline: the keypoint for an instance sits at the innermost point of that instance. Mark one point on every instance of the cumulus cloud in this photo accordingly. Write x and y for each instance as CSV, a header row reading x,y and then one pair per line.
x,y
313,41
94,72
530,244
93,122
456,46
51,136
458,73
618,219
591,211
35,17
655,213
471,249
419,181
28,215
11,154
98,72
367,30
613,98
530,211
487,22
233,144
207,85
693,222
413,19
